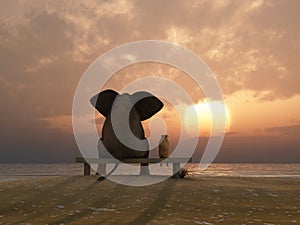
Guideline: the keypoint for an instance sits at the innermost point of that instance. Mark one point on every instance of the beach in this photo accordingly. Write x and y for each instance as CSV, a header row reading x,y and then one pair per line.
x,y
204,200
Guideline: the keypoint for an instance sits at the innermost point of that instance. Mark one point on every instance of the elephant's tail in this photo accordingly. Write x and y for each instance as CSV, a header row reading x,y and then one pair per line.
x,y
101,178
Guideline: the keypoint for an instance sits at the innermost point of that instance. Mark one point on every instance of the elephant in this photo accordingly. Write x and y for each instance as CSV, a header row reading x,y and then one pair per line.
x,y
115,108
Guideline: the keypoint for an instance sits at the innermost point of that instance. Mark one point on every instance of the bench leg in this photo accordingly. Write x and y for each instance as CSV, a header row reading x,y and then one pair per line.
x,y
176,168
87,169
144,170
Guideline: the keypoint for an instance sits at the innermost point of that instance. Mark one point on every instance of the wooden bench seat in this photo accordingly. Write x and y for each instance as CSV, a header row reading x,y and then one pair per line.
x,y
174,161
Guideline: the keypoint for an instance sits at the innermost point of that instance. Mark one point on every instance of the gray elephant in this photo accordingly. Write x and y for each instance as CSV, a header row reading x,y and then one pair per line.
x,y
123,135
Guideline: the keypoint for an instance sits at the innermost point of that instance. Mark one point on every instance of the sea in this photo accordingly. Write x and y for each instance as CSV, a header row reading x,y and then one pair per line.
x,y
28,171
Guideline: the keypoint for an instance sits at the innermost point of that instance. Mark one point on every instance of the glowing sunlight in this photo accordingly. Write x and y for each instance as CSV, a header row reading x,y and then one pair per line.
x,y
204,116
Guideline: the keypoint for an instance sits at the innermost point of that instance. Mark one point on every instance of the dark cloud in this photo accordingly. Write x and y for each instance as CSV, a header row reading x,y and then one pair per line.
x,y
232,133
39,77
34,141
254,149
293,130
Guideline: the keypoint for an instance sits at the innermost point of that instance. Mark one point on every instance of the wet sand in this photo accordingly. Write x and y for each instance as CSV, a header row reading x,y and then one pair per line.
x,y
208,200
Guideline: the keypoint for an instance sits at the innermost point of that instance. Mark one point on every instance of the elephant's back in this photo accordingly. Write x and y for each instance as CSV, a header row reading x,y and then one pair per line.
x,y
115,147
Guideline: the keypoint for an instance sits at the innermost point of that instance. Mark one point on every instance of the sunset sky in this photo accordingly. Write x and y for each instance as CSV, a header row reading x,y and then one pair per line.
x,y
252,47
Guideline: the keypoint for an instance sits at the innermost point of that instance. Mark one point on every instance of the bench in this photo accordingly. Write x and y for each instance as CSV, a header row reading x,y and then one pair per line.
x,y
174,161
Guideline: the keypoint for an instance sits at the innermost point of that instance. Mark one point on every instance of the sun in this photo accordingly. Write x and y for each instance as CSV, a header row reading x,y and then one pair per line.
x,y
198,117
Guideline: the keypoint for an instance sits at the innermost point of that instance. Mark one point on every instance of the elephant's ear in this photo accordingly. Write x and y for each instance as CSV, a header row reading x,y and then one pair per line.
x,y
103,101
146,104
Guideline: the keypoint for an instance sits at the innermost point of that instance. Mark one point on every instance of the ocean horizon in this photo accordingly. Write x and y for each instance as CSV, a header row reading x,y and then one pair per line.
x,y
17,171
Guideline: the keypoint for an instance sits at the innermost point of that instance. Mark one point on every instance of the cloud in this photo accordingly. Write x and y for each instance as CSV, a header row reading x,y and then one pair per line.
x,y
45,47
232,133
38,76
61,122
32,140
254,149
248,45
293,130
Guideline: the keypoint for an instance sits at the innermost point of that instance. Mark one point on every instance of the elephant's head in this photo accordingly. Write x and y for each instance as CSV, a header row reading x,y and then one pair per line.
x,y
126,113
145,103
